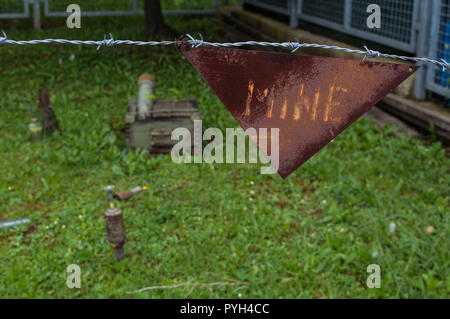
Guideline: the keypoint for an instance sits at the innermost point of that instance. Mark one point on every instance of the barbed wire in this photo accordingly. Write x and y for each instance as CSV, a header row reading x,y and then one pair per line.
x,y
196,43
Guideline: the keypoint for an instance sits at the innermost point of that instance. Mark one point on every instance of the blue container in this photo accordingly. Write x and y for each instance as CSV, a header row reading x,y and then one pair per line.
x,y
443,79
444,76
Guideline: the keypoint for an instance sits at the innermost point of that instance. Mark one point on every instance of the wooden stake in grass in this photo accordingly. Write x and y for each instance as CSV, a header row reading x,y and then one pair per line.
x,y
115,227
48,115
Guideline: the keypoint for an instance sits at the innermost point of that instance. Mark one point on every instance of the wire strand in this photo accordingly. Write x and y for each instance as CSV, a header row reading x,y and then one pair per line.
x,y
196,43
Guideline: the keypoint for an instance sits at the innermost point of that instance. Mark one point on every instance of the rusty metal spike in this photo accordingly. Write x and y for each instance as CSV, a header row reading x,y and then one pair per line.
x,y
310,99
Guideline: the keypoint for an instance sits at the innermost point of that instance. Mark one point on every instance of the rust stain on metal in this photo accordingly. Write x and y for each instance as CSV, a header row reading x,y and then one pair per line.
x,y
310,99
124,195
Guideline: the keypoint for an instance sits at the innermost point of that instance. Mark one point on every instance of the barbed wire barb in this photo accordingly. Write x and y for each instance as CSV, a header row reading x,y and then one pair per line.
x,y
372,53
195,43
293,46
445,65
4,38
106,42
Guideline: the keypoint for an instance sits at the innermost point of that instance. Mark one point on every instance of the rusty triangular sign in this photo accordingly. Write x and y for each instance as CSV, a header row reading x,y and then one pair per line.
x,y
309,99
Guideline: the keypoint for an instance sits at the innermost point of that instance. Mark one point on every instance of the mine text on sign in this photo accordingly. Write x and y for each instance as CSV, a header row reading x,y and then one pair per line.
x,y
302,106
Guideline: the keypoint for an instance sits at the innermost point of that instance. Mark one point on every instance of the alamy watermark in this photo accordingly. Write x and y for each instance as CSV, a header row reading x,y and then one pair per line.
x,y
74,279
374,19
374,279
74,19
190,148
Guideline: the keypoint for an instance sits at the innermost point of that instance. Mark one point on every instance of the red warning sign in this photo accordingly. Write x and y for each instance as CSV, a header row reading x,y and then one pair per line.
x,y
309,99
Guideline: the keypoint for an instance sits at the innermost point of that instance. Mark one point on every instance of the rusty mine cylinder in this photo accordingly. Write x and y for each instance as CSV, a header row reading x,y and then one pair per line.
x,y
115,227
146,89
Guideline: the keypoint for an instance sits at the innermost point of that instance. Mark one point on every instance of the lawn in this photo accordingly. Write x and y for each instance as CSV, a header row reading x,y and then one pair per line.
x,y
309,236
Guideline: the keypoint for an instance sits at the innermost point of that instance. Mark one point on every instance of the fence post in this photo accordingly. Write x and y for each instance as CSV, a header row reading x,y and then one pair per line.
x,y
37,14
348,14
293,19
423,30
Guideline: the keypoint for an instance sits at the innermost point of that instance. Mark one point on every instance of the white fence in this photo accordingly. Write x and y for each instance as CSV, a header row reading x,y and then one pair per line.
x,y
15,9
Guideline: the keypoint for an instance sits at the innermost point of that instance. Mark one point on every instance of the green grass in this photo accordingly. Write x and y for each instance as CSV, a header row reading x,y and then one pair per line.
x,y
309,236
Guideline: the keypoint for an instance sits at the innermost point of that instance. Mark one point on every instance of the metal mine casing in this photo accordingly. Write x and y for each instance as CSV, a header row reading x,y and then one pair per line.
x,y
115,228
164,115
35,129
146,89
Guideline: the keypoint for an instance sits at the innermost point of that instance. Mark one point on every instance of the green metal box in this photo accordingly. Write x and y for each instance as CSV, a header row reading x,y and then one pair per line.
x,y
154,133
